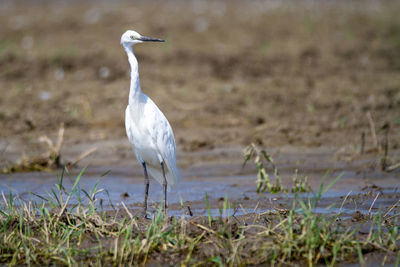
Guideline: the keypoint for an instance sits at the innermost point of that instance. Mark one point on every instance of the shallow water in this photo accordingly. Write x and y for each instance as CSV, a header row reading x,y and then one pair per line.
x,y
220,180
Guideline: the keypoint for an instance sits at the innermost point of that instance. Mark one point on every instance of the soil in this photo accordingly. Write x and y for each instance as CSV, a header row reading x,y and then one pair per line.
x,y
302,75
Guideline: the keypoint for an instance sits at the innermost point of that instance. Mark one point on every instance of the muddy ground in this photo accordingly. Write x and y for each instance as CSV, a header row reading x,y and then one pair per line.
x,y
305,80
301,75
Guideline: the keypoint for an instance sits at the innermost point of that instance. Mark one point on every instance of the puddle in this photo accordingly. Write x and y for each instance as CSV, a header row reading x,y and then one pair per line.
x,y
221,180
215,212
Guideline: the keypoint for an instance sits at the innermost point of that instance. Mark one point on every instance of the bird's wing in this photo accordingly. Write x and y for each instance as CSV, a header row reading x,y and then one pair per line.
x,y
163,137
128,124
129,131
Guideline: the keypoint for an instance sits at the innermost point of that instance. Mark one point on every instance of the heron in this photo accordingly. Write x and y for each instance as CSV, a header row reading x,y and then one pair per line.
x,y
147,128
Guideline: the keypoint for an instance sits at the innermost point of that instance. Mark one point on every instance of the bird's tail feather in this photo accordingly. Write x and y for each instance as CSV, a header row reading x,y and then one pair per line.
x,y
156,173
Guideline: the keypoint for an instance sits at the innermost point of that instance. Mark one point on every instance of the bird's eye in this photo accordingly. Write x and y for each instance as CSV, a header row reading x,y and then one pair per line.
x,y
132,37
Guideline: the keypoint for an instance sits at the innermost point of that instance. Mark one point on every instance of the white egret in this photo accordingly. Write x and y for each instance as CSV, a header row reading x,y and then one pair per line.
x,y
148,130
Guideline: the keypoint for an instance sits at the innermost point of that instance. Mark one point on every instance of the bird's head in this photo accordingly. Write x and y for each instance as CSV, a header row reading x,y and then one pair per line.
x,y
130,38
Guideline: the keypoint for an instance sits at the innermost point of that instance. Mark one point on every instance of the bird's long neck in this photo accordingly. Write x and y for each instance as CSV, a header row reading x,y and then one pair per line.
x,y
135,90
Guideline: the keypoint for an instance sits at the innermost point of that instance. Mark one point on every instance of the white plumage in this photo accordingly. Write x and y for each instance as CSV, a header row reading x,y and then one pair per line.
x,y
152,139
148,130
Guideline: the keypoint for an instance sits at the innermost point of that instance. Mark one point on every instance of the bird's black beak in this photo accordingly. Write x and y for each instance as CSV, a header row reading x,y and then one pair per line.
x,y
149,39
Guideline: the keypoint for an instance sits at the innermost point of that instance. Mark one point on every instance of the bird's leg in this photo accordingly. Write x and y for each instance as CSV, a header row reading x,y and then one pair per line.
x,y
164,187
146,192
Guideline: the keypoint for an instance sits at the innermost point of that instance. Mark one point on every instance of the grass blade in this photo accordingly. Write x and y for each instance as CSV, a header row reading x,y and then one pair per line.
x,y
208,211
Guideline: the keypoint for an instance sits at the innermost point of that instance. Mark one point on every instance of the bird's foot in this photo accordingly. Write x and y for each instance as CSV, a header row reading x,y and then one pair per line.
x,y
143,214
165,212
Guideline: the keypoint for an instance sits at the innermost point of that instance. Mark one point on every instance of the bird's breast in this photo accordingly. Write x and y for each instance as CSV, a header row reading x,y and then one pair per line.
x,y
141,137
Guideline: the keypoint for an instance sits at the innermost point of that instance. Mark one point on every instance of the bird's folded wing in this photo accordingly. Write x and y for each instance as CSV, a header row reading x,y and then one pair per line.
x,y
163,137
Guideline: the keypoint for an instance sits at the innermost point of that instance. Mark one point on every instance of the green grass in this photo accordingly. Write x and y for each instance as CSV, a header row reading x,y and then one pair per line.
x,y
264,183
58,231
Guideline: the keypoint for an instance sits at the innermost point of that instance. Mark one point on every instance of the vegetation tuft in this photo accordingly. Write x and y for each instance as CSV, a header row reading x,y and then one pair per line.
x,y
264,183
49,161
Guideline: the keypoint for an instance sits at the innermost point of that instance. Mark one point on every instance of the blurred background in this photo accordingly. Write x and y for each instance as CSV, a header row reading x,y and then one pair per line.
x,y
278,73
